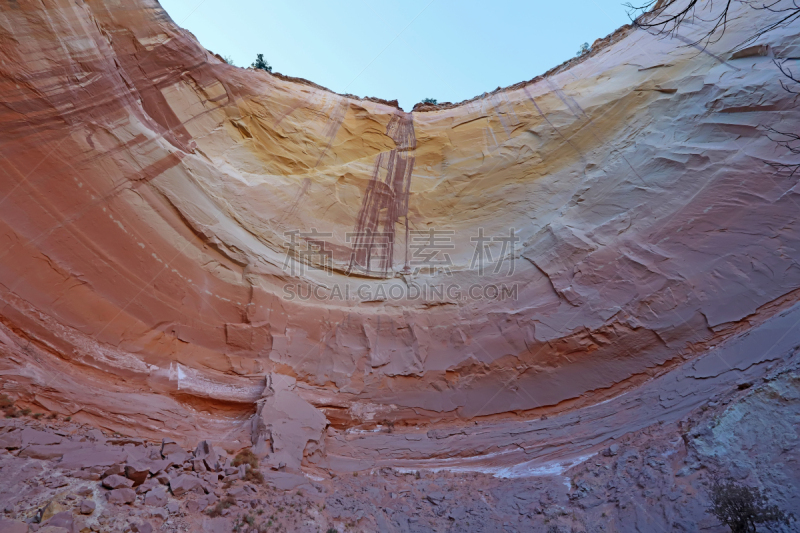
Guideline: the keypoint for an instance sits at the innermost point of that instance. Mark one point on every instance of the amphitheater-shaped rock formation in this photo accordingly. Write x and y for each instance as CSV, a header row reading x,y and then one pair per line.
x,y
195,250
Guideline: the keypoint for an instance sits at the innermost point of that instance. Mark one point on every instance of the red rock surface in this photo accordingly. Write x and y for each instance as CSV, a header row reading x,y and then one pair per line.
x,y
149,192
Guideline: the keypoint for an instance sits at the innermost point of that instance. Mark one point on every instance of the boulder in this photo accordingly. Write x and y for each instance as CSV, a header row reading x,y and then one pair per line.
x,y
185,483
206,452
55,482
137,472
114,470
156,497
611,451
11,440
208,499
170,450
120,496
148,485
87,507
84,491
158,465
143,527
117,482
85,474
62,519
13,526
50,510
238,493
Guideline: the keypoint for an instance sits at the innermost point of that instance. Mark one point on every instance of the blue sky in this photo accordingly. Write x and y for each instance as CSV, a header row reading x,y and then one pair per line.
x,y
410,49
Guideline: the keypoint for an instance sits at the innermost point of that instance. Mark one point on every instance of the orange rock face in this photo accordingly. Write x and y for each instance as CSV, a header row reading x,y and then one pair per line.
x,y
178,235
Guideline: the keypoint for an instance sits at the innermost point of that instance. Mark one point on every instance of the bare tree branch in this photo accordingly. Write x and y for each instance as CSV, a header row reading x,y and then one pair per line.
x,y
787,140
787,73
658,15
655,14
791,13
790,141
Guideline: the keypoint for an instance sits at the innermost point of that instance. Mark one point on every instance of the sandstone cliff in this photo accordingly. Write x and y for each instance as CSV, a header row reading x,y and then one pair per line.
x,y
175,229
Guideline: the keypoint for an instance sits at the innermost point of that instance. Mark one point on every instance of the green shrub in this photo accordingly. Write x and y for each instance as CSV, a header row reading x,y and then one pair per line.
x,y
741,507
246,457
223,504
261,63
254,475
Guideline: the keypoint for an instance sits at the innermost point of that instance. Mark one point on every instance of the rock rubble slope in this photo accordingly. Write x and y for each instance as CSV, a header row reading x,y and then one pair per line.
x,y
196,251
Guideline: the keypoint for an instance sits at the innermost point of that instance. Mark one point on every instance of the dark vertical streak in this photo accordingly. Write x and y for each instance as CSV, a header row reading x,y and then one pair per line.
x,y
385,201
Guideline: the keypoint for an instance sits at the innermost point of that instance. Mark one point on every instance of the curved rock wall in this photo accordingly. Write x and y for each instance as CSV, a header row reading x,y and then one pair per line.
x,y
173,228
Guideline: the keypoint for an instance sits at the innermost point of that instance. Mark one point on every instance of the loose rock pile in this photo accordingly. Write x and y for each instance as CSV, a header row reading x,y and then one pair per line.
x,y
66,478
